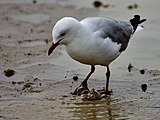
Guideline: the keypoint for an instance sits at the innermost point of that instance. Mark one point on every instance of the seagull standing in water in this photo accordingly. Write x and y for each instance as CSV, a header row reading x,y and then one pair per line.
x,y
94,40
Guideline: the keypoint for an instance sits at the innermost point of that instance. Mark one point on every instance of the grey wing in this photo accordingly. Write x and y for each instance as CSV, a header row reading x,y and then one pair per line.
x,y
117,31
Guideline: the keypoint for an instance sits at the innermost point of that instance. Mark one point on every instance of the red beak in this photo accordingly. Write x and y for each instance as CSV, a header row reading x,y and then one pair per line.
x,y
52,47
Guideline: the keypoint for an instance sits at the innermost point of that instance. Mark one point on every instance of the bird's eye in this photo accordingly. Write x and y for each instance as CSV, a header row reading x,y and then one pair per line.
x,y
62,34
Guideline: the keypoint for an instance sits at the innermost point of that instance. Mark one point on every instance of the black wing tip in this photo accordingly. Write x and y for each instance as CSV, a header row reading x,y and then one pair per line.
x,y
137,17
136,21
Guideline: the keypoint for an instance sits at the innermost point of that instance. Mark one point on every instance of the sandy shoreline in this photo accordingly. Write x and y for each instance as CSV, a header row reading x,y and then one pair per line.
x,y
25,35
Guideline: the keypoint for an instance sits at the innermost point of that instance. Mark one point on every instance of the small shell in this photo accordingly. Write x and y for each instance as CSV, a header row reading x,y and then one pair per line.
x,y
9,72
94,95
84,96
85,92
103,95
75,78
144,87
80,90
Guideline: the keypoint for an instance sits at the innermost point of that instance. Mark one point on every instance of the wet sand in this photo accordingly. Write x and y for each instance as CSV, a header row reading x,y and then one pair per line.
x,y
25,35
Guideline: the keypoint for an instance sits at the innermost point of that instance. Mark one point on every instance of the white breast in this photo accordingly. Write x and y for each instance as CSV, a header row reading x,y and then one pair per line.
x,y
94,51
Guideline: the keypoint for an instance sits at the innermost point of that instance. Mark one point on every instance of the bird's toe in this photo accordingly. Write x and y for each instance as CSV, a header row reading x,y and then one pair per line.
x,y
79,90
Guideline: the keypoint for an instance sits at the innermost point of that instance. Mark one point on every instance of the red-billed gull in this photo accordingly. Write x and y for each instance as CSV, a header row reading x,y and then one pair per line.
x,y
94,40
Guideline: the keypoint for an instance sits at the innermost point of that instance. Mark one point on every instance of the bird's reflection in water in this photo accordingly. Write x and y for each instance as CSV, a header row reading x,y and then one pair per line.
x,y
95,110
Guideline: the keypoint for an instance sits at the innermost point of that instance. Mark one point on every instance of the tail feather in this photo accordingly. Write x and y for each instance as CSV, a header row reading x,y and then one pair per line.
x,y
135,22
139,28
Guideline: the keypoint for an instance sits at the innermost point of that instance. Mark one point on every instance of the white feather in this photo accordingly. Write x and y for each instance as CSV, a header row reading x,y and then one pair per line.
x,y
139,28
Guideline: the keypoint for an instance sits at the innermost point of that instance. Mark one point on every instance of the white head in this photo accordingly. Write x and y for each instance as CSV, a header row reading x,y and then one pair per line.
x,y
63,32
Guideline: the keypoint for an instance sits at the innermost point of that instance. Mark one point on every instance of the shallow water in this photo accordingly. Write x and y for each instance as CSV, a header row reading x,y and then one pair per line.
x,y
96,110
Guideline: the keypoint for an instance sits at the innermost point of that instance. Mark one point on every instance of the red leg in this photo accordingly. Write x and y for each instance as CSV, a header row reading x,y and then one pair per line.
x,y
107,81
84,83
